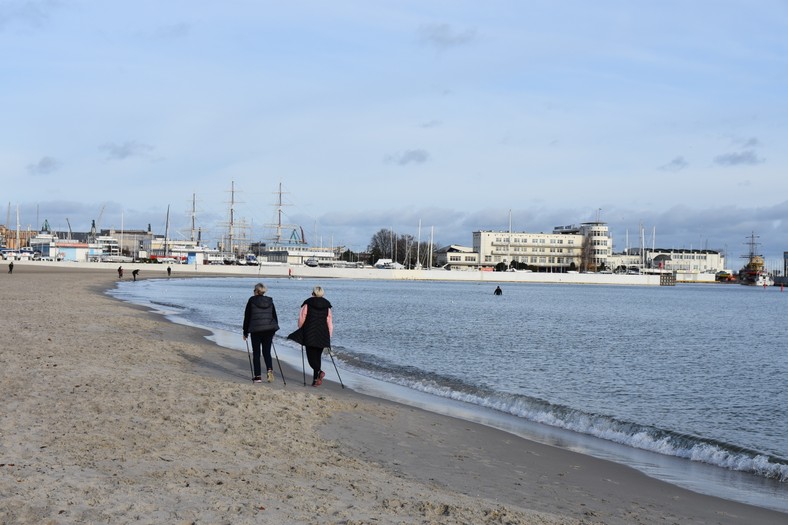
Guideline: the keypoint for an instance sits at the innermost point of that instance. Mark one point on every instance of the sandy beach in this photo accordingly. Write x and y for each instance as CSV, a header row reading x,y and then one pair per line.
x,y
111,414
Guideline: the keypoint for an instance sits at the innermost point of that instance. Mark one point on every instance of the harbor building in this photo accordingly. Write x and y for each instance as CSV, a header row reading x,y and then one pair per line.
x,y
585,247
455,257
679,260
548,251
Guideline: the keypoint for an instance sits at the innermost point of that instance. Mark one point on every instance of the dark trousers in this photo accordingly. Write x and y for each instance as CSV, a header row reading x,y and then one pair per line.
x,y
314,357
261,341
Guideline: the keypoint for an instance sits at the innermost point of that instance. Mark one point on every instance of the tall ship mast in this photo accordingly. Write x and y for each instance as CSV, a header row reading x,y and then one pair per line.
x,y
296,232
754,271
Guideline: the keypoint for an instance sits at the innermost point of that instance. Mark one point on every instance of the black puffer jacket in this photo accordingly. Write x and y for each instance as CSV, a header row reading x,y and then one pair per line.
x,y
315,327
260,315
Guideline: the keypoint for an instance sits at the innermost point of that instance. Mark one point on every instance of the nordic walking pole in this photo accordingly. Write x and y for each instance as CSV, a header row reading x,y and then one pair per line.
x,y
335,367
249,355
303,366
278,363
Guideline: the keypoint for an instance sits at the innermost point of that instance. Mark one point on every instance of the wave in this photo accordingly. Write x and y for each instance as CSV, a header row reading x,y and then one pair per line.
x,y
659,440
664,441
169,305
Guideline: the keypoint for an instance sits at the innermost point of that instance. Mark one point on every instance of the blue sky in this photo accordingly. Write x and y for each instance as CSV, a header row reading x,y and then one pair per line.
x,y
671,115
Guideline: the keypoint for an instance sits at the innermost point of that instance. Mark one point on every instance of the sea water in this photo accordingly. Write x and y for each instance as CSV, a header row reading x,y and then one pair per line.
x,y
687,383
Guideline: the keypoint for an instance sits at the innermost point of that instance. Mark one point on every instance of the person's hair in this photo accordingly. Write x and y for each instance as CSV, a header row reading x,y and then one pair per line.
x,y
317,291
260,289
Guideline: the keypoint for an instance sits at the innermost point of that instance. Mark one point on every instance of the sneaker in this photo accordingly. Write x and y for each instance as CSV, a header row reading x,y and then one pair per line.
x,y
270,376
257,379
319,380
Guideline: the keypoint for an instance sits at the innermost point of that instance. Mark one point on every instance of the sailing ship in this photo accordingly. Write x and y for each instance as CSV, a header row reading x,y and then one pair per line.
x,y
754,272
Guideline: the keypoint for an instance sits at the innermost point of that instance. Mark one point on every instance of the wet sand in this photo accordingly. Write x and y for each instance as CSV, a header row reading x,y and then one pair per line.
x,y
112,414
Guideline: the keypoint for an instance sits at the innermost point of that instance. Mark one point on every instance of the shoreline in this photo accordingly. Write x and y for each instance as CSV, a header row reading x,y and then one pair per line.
x,y
698,476
435,274
116,414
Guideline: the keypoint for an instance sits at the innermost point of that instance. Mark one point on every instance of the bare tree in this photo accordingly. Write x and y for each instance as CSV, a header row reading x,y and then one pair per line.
x,y
386,244
587,260
381,246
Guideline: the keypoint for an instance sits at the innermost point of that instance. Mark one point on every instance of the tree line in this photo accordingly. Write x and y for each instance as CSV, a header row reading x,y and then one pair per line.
x,y
401,248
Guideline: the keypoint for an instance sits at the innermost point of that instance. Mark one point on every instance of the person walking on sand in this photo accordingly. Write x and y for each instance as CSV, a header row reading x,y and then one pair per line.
x,y
120,272
134,274
11,267
317,326
169,271
261,322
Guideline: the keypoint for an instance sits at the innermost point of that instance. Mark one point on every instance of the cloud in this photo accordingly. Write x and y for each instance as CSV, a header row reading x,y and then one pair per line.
x,y
411,156
677,164
431,124
746,157
172,31
30,12
44,166
127,149
443,36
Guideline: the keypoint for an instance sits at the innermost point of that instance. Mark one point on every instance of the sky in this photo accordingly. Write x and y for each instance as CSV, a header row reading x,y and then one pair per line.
x,y
459,116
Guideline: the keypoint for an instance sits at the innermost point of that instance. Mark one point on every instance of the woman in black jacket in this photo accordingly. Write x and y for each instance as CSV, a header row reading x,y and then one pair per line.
x,y
316,325
261,322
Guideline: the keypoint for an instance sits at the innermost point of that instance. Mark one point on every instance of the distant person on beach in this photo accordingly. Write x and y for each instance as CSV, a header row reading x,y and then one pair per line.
x,y
317,326
134,274
120,272
169,271
498,291
11,267
261,322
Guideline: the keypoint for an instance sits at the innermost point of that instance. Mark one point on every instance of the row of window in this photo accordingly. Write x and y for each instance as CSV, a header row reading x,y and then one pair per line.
x,y
538,250
531,260
505,240
691,257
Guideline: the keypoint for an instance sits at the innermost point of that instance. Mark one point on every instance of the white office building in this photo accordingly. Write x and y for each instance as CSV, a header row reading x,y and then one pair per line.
x,y
455,257
548,251
578,247
677,260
